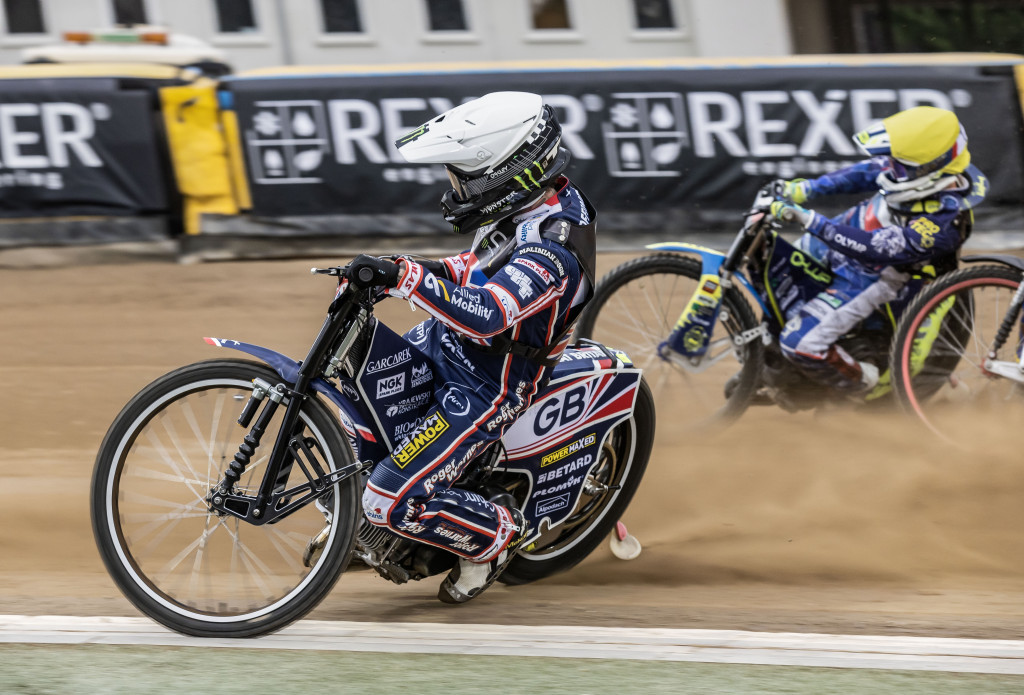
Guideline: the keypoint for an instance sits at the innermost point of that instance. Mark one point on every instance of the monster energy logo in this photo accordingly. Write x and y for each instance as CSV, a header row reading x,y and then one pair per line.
x,y
414,135
529,173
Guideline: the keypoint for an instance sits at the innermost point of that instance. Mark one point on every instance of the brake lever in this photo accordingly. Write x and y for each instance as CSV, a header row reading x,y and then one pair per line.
x,y
336,271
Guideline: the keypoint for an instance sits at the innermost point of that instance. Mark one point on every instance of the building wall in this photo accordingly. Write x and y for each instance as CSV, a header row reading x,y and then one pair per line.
x,y
395,31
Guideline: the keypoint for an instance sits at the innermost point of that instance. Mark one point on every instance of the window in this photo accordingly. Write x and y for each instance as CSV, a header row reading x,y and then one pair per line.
x,y
341,17
235,16
128,12
654,14
446,15
24,17
550,14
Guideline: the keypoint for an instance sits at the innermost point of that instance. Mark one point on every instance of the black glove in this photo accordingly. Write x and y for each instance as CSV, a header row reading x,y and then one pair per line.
x,y
370,271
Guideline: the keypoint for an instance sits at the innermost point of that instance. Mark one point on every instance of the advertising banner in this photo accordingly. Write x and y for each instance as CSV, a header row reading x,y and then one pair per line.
x,y
78,147
653,148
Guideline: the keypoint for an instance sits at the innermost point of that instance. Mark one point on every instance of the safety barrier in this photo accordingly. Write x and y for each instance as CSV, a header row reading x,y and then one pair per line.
x,y
659,145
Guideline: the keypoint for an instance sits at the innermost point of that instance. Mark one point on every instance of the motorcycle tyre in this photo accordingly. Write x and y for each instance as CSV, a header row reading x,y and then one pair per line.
x,y
334,560
668,263
911,320
525,569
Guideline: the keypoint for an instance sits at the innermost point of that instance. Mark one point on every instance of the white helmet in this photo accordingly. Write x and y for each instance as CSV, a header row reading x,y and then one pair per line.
x,y
499,150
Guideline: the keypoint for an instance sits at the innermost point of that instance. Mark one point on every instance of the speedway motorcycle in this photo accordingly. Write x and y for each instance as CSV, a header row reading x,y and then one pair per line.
x,y
687,322
226,496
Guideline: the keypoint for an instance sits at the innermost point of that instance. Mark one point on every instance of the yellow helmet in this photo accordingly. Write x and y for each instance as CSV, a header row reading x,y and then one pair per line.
x,y
924,145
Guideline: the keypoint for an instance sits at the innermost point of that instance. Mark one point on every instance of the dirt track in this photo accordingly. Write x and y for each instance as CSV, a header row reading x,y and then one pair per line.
x,y
842,523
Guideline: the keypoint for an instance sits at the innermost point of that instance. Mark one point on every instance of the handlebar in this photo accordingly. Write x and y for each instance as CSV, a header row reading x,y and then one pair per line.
x,y
756,220
365,275
788,215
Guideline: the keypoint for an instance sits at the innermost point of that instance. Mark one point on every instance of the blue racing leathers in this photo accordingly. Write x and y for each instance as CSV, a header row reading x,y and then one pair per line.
x,y
529,298
872,249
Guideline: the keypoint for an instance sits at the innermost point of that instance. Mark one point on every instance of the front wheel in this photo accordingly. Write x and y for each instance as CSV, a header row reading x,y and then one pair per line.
x,y
944,360
636,306
610,486
183,565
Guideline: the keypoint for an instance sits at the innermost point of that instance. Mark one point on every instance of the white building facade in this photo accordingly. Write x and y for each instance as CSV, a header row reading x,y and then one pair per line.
x,y
266,33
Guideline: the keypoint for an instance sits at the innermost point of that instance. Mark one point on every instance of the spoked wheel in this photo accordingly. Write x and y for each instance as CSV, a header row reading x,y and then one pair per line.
x,y
944,369
189,568
636,306
607,492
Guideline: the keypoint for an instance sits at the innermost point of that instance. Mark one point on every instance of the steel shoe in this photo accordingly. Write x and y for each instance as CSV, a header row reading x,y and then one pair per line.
x,y
469,579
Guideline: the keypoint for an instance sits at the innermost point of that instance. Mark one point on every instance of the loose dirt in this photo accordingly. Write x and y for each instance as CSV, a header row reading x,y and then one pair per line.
x,y
844,522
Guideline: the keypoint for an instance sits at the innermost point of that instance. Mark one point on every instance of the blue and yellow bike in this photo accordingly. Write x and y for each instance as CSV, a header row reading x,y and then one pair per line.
x,y
684,314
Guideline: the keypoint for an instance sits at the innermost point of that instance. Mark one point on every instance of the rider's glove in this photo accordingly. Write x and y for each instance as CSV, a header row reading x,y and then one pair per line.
x,y
438,268
788,212
796,190
370,271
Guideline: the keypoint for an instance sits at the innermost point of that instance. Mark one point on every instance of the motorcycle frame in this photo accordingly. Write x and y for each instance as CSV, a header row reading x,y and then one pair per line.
x,y
273,502
266,506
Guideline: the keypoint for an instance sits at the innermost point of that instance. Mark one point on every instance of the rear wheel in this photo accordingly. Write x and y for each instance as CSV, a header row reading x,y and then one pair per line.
x,y
181,564
943,341
635,307
610,486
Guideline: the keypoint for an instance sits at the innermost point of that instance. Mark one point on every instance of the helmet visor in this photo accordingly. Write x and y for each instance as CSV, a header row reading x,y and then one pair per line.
x,y
900,171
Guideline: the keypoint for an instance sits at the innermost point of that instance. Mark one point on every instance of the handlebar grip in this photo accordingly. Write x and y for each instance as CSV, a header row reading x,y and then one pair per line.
x,y
365,275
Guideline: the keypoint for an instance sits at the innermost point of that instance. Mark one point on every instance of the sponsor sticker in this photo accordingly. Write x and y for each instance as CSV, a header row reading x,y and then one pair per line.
x,y
411,446
421,375
404,428
565,469
407,404
349,390
540,251
390,361
470,303
390,385
567,450
552,504
561,487
522,282
535,267
455,401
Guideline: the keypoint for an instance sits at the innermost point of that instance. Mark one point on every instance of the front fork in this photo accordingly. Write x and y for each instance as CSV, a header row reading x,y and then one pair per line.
x,y
273,501
692,333
1005,369
690,340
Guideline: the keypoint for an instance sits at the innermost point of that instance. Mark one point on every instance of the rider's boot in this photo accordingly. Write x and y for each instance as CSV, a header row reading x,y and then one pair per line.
x,y
868,376
469,579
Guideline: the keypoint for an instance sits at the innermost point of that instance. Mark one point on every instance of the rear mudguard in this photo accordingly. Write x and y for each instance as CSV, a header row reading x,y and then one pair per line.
x,y
997,258
351,420
556,443
710,261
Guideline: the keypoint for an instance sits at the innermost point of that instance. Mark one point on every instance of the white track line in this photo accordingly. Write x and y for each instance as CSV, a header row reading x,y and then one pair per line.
x,y
712,646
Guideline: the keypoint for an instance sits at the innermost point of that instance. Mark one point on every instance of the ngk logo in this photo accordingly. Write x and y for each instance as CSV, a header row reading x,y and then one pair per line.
x,y
50,135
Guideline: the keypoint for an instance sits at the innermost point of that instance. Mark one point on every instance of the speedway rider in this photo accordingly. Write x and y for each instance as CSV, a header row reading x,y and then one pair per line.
x,y
501,317
919,216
